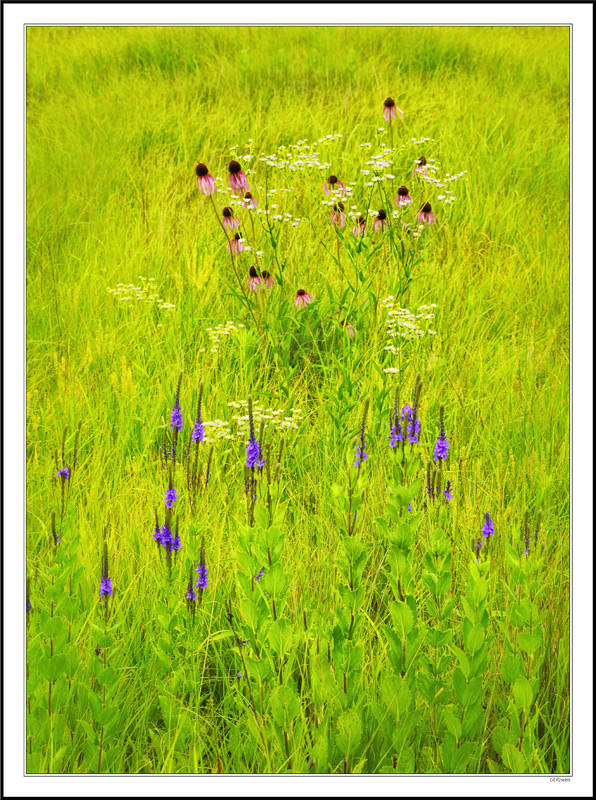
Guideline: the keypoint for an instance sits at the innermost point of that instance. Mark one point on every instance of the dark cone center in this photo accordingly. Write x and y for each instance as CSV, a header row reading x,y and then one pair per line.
x,y
381,214
426,208
301,292
227,212
201,170
332,179
389,102
253,273
339,207
403,191
234,167
421,161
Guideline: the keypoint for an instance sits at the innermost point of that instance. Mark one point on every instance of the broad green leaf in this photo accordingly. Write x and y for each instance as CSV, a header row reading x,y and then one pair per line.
x,y
402,618
522,693
474,638
348,732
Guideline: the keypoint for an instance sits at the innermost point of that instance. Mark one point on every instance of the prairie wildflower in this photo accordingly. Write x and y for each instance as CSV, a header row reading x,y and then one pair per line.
x,y
249,202
381,222
237,178
303,298
390,110
413,424
360,225
403,197
171,496
64,474
478,548
338,218
350,329
488,529
426,215
205,181
267,279
332,184
229,221
198,431
254,280
236,244
260,575
202,582
190,594
420,167
441,445
105,585
176,416
448,493
361,454
253,450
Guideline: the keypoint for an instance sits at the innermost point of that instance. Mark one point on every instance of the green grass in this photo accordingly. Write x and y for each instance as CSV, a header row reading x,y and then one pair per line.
x,y
117,119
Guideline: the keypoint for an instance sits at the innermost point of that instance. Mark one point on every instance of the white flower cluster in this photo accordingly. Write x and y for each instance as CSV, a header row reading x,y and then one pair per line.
x,y
274,418
220,333
145,293
404,324
216,429
299,156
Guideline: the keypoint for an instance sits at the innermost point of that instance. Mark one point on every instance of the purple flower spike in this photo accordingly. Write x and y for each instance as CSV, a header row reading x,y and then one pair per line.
x,y
488,529
441,445
448,494
176,418
171,496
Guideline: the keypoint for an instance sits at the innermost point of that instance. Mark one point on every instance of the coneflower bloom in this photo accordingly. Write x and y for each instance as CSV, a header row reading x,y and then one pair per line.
x,y
390,110
332,184
236,244
488,529
403,197
381,222
351,330
171,496
254,282
426,215
303,298
420,166
205,181
338,218
359,227
249,202
237,178
229,221
267,279
202,582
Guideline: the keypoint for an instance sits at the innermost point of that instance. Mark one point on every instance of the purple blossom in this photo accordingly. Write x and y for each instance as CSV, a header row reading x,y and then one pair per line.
x,y
28,605
202,582
478,548
253,451
105,586
488,529
190,594
63,473
260,575
413,431
361,454
441,445
409,506
447,492
166,537
198,431
171,496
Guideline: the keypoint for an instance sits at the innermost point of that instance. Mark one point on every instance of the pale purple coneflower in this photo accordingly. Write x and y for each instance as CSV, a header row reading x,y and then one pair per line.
x,y
338,218
205,181
332,184
381,222
390,110
303,298
420,167
426,215
358,229
351,330
267,279
403,197
254,282
236,244
237,178
229,221
249,202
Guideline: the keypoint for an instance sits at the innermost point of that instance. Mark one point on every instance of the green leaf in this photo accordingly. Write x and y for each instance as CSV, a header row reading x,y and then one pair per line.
x,y
530,642
512,668
91,754
95,706
473,720
402,618
459,685
52,667
464,661
284,706
107,676
513,759
452,724
522,693
348,732
474,638
280,635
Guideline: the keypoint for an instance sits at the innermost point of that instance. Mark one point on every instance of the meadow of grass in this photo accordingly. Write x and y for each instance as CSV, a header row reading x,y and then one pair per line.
x,y
378,638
